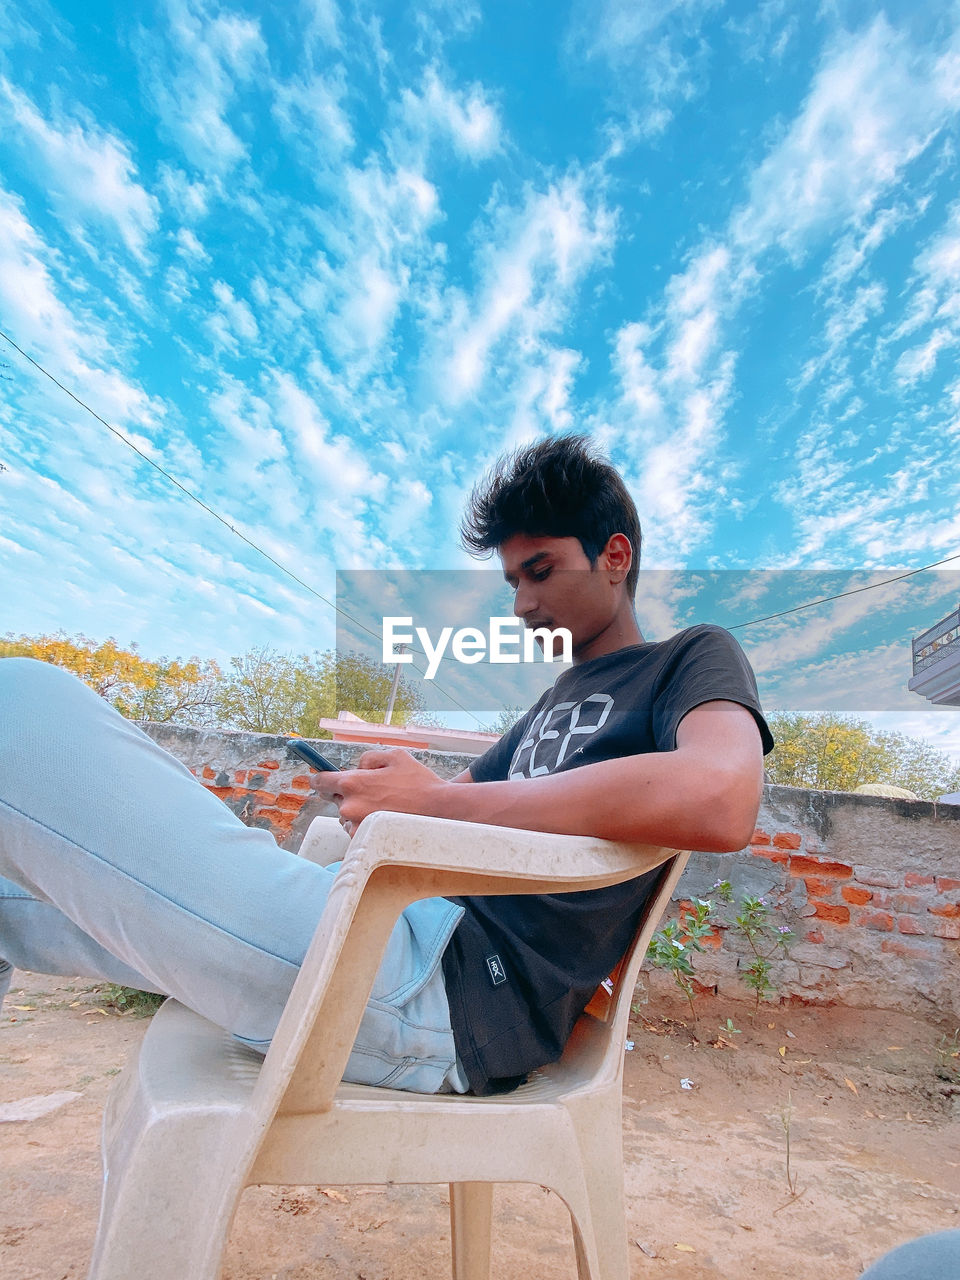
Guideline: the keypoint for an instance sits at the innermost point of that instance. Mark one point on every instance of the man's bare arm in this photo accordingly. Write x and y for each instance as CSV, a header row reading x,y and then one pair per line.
x,y
703,795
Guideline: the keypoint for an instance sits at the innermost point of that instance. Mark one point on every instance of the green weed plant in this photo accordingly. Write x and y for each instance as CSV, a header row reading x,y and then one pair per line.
x,y
672,947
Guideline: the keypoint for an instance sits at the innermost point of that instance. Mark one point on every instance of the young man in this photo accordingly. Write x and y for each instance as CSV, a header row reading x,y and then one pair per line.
x,y
659,743
120,865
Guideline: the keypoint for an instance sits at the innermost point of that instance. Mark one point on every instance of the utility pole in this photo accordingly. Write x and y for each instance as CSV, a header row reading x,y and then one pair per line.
x,y
393,688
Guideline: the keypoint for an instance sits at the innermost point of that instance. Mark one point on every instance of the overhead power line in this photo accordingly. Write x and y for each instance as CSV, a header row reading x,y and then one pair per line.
x,y
188,493
854,591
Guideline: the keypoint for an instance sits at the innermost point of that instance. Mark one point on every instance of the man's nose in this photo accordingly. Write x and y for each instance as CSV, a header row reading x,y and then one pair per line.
x,y
525,600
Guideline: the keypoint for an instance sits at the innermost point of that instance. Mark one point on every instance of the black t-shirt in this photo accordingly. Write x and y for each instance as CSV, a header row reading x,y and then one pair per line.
x,y
520,969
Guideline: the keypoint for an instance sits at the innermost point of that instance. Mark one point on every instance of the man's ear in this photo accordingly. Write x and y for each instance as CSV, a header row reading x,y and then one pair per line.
x,y
617,556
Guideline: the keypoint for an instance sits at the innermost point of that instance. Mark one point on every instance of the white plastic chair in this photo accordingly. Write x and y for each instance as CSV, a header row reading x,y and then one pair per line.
x,y
199,1117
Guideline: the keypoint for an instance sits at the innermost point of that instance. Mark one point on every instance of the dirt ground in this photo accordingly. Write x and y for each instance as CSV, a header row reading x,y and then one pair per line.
x,y
874,1151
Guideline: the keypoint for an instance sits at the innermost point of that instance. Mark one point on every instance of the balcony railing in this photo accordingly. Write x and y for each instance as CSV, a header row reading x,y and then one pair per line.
x,y
937,643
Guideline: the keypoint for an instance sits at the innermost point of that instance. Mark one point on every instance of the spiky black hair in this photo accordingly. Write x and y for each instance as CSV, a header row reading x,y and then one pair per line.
x,y
557,488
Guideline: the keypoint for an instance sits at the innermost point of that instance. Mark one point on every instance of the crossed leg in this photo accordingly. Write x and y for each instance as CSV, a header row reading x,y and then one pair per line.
x,y
118,864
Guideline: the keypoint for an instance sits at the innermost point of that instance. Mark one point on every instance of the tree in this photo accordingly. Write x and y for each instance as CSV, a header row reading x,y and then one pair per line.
x,y
266,692
838,753
263,690
921,767
139,688
362,685
270,692
507,718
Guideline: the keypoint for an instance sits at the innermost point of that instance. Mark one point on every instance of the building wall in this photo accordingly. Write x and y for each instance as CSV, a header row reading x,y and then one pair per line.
x,y
869,886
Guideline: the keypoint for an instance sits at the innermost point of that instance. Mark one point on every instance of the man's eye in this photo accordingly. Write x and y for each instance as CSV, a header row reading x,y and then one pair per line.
x,y
539,577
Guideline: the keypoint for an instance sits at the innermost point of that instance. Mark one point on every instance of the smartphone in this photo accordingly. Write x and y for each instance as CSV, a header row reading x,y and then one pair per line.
x,y
311,755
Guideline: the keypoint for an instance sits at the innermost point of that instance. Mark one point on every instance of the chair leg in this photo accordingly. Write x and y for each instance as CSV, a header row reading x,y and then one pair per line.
x,y
179,1176
598,1215
471,1206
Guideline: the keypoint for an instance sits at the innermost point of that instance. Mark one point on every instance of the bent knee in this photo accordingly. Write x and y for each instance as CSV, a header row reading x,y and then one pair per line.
x,y
31,689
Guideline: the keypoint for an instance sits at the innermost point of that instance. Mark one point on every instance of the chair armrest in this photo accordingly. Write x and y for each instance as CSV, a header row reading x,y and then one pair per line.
x,y
442,856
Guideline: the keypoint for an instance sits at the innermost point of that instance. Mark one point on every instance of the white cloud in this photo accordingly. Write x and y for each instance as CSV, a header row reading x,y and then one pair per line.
x,y
30,302
310,110
935,293
874,105
189,199
466,117
194,81
189,247
77,347
377,245
536,258
330,466
322,26
919,362
89,173
656,52
233,323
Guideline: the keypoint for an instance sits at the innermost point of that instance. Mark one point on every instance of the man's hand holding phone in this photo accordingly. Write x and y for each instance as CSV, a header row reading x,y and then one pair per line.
x,y
325,769
390,780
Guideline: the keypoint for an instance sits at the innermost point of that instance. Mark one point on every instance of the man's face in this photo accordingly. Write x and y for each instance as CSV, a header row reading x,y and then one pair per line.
x,y
556,586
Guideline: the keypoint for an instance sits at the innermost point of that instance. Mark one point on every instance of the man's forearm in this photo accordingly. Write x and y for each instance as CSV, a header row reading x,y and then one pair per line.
x,y
702,795
660,799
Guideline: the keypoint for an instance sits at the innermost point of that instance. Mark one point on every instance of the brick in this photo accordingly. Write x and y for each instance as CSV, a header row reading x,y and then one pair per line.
x,y
881,920
803,866
286,800
786,840
911,925
945,884
947,929
280,819
774,855
824,957
817,887
829,911
712,940
760,837
899,902
913,880
268,764
240,776
949,911
227,793
814,936
265,797
859,897
878,876
208,772
301,782
903,950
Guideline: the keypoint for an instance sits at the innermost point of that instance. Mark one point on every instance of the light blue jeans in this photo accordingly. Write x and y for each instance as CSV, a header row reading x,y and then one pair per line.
x,y
116,864
935,1257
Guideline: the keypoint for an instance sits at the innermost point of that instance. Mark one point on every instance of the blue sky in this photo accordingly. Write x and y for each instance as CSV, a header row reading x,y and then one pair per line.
x,y
322,263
